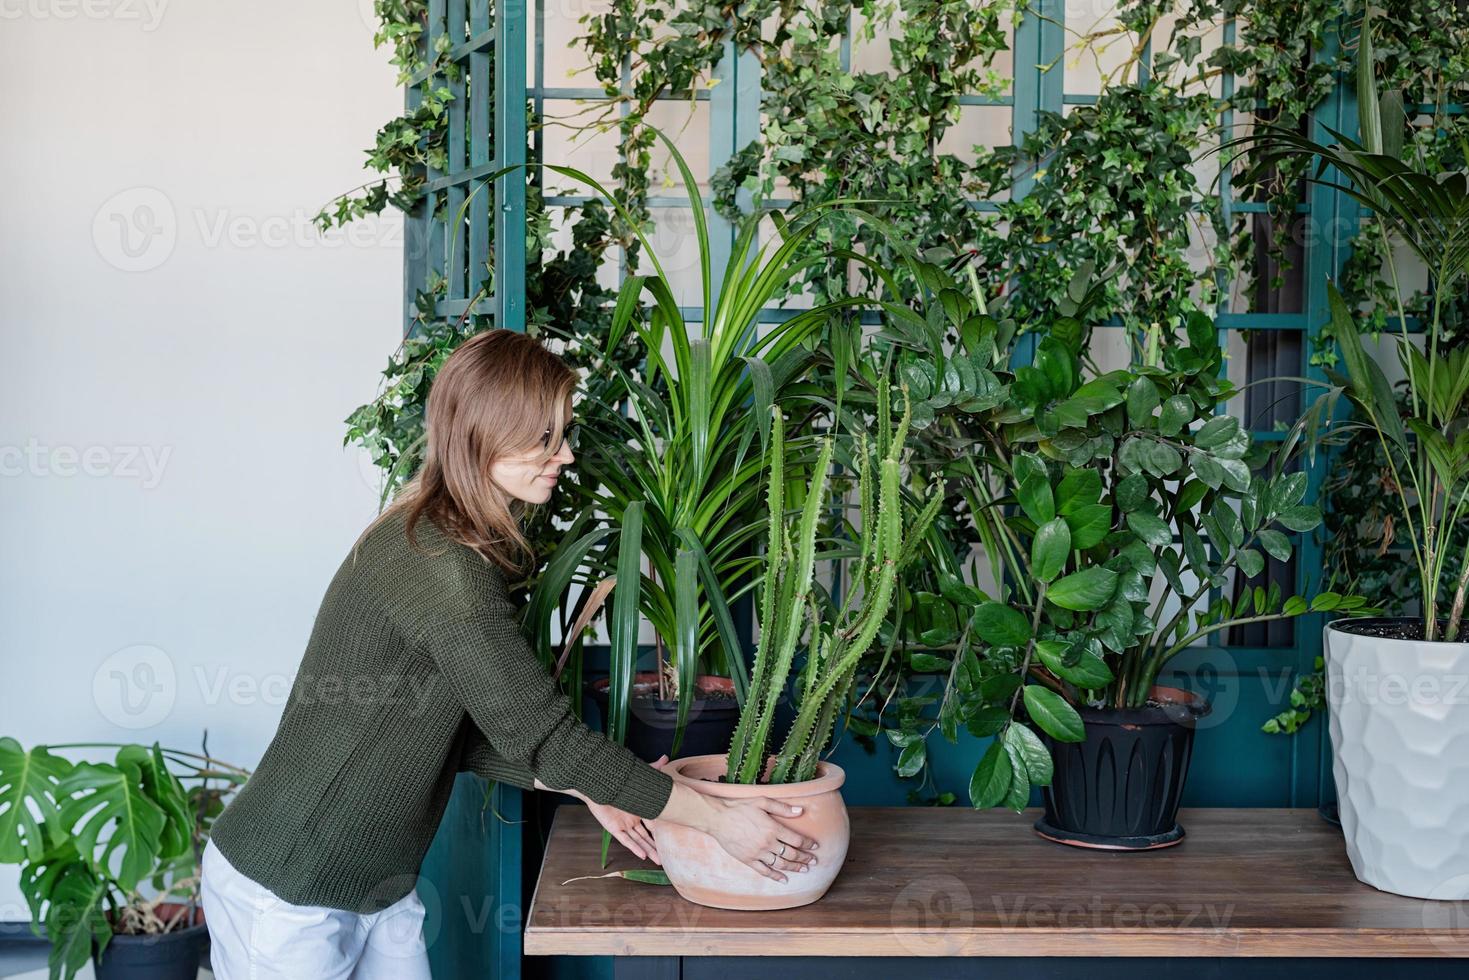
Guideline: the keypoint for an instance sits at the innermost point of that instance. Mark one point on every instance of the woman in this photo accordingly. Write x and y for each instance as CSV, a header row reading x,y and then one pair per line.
x,y
416,669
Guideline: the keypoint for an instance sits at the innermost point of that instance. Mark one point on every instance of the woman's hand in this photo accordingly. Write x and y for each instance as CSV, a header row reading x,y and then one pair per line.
x,y
628,828
749,832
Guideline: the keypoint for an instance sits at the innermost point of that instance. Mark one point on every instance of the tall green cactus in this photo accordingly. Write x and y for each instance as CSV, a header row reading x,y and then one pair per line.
x,y
838,637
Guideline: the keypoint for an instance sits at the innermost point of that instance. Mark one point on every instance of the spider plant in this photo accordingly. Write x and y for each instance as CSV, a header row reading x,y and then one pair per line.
x,y
1426,439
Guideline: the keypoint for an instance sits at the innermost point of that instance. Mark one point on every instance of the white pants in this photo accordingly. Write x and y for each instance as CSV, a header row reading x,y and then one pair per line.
x,y
256,935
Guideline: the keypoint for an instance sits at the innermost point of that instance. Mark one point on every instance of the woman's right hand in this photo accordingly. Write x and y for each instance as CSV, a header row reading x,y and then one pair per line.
x,y
748,830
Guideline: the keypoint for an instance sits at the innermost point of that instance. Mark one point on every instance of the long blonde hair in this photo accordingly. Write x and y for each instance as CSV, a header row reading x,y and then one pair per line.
x,y
494,396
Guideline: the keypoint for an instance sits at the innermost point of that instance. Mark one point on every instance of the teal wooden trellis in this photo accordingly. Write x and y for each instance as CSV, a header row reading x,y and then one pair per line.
x,y
478,857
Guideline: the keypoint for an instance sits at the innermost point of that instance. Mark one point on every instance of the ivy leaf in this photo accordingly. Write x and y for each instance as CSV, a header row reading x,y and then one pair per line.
x,y
1085,590
1051,712
1001,626
991,780
1050,549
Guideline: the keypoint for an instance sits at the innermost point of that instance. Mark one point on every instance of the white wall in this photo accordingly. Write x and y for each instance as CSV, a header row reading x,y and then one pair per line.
x,y
174,496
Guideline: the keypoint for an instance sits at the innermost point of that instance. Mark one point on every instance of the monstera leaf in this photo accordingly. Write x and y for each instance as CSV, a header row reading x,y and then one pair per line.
x,y
75,921
28,799
38,877
64,893
100,797
163,788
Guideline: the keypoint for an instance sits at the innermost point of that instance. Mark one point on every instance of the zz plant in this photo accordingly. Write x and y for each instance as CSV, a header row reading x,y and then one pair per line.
x,y
838,634
1136,506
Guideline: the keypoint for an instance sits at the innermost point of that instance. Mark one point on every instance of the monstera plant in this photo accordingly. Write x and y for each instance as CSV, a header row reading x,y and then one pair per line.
x,y
109,849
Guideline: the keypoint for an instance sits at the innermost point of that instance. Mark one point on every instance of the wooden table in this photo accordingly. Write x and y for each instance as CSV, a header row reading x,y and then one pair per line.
x,y
959,887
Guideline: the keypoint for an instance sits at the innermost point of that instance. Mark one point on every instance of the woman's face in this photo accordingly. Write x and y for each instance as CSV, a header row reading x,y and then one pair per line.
x,y
530,476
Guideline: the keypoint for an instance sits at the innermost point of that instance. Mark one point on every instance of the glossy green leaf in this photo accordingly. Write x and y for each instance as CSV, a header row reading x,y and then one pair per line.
x,y
1151,528
1142,400
990,782
1087,589
1001,626
1050,549
1033,752
1054,716
1089,525
1178,412
1088,673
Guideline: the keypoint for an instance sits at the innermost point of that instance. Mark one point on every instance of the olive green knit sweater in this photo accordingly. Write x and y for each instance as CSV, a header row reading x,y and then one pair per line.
x,y
416,669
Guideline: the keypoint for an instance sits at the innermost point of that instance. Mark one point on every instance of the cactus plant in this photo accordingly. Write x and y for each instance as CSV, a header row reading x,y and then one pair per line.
x,y
839,633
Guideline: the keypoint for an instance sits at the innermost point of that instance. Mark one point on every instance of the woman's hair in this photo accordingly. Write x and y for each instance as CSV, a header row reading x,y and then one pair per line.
x,y
495,396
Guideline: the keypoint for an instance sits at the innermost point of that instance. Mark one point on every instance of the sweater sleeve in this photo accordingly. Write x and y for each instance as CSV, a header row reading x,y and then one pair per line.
x,y
478,757
526,718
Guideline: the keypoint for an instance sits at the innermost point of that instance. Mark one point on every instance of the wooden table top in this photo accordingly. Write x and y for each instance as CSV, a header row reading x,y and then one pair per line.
x,y
928,881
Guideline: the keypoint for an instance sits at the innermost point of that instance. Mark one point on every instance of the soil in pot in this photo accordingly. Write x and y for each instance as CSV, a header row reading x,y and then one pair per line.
x,y
712,717
173,955
703,872
1386,629
1120,788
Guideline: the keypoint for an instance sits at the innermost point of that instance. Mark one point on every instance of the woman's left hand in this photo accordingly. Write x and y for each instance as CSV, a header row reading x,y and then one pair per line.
x,y
629,828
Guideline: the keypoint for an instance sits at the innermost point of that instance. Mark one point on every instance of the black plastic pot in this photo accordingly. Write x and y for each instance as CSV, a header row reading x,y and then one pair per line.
x,y
174,955
1120,788
651,720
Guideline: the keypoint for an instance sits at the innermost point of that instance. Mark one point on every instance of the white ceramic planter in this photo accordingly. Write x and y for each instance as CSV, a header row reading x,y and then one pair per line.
x,y
1400,739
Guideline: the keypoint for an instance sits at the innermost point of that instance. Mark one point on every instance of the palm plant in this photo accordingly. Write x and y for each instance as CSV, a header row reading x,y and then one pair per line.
x,y
839,634
675,510
1425,439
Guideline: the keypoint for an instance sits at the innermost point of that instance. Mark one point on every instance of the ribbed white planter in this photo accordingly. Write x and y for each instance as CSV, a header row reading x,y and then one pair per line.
x,y
1400,739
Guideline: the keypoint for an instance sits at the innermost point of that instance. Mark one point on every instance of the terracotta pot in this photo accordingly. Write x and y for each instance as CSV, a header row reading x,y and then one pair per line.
x,y
705,873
